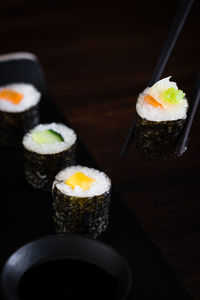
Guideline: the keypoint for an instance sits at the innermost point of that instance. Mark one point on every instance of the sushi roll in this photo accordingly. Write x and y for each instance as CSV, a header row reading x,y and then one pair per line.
x,y
47,149
18,112
161,111
81,198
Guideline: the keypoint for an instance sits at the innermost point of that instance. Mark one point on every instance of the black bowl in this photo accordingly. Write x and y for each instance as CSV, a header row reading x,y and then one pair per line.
x,y
66,267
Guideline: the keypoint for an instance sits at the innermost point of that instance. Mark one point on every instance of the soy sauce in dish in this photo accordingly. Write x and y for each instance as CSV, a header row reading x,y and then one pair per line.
x,y
67,279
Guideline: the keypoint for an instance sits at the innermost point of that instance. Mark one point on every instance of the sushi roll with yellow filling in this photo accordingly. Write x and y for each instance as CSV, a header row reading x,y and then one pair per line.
x,y
47,149
18,112
81,198
161,111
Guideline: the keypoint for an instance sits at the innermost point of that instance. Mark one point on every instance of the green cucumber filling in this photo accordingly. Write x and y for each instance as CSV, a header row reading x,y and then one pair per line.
x,y
47,136
173,96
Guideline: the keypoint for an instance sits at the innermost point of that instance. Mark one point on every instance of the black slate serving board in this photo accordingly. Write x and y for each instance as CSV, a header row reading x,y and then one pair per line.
x,y
26,213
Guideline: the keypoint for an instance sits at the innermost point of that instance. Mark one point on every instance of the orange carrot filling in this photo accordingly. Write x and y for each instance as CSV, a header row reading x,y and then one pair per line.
x,y
153,101
11,96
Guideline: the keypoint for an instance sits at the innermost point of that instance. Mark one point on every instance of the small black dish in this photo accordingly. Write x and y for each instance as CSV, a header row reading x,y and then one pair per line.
x,y
66,267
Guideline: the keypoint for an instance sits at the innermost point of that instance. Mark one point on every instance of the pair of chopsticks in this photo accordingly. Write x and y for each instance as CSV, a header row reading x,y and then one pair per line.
x,y
182,141
178,22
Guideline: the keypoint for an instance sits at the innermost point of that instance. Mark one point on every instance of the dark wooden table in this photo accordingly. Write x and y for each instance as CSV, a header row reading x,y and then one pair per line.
x,y
97,57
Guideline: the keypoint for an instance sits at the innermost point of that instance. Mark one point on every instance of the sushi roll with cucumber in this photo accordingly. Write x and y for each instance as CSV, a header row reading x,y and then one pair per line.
x,y
81,198
18,112
161,111
47,149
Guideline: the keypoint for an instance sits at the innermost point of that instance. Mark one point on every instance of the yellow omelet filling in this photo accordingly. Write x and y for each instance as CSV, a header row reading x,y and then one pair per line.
x,y
11,96
81,180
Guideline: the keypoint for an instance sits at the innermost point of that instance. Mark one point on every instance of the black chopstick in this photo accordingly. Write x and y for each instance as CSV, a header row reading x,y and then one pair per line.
x,y
178,22
182,141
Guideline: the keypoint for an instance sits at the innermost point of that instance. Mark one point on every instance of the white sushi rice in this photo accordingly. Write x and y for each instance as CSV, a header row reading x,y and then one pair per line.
x,y
67,134
101,185
170,111
31,97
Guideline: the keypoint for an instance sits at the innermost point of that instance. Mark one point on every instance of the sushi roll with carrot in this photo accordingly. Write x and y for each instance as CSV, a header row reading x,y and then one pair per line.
x,y
18,112
161,111
47,149
81,198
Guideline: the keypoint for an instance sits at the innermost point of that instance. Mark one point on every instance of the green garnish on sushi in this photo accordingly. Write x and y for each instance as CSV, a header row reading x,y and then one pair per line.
x,y
173,95
47,136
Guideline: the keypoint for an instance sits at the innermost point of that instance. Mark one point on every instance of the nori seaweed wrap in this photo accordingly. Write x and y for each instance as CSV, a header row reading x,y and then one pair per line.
x,y
47,149
160,117
18,112
157,139
79,207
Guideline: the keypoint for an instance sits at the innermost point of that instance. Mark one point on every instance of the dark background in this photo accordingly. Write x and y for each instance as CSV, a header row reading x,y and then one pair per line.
x,y
97,56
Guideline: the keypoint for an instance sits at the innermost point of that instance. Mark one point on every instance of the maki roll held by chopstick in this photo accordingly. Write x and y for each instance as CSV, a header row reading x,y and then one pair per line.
x,y
18,112
47,149
161,111
81,198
